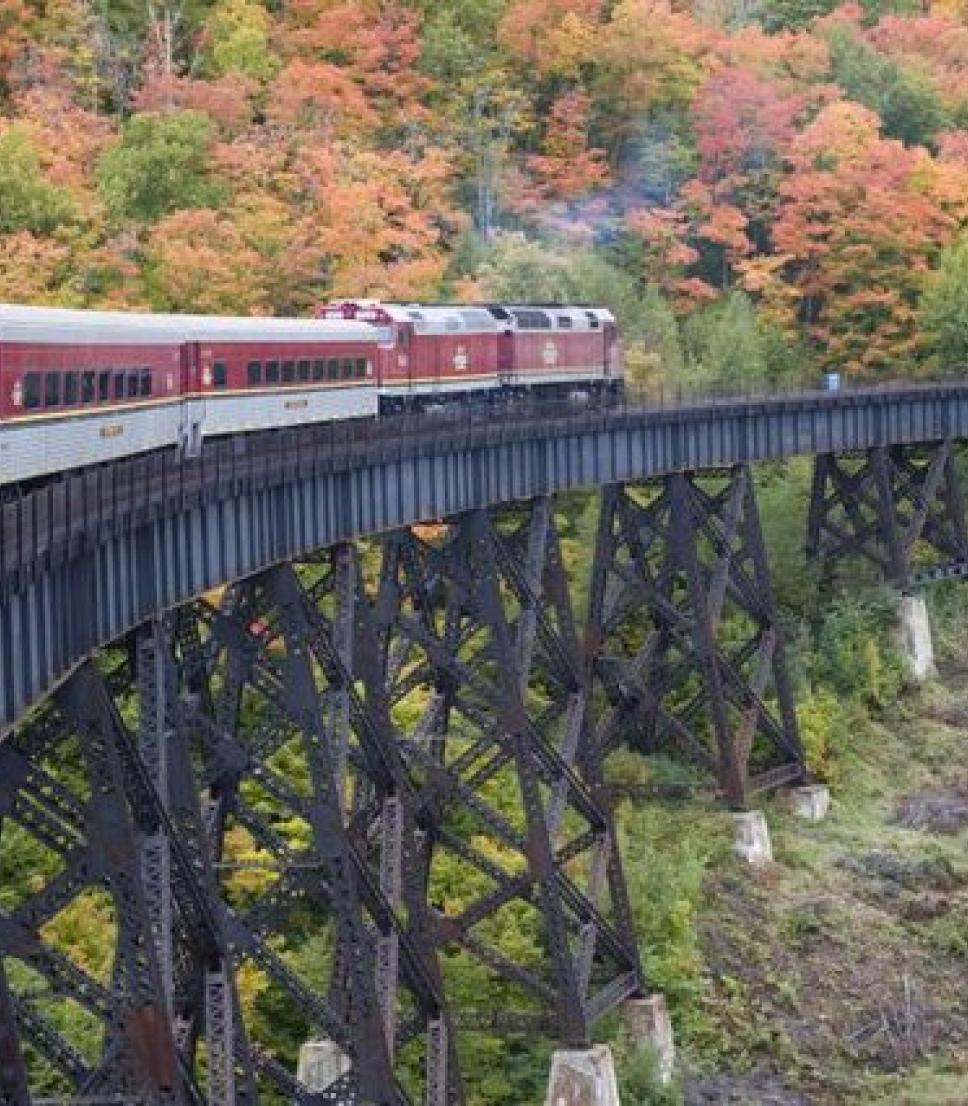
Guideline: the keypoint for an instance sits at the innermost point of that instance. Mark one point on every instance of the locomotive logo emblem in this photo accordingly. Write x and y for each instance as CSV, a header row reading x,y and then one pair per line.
x,y
461,360
550,355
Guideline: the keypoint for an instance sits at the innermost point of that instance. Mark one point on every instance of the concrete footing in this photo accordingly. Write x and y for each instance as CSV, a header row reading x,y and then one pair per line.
x,y
914,636
583,1077
321,1063
811,803
647,1024
751,837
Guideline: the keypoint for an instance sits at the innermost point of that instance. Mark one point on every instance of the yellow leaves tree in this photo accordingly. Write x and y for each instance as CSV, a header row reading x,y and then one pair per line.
x,y
32,269
551,37
239,40
651,55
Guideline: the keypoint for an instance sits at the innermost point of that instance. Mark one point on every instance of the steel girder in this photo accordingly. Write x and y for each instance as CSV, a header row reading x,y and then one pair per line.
x,y
479,653
900,507
683,635
323,783
140,787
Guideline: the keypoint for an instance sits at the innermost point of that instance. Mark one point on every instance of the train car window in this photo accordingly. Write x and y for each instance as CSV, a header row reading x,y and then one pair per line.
x,y
288,372
255,373
104,387
332,369
272,372
361,368
564,322
533,320
32,391
133,385
319,370
119,385
146,382
303,371
52,389
70,389
219,374
87,387
347,373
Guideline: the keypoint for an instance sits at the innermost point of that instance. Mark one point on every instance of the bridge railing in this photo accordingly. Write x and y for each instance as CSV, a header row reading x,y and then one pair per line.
x,y
52,522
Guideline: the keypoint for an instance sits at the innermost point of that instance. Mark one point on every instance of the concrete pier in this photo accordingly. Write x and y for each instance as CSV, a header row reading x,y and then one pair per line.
x,y
751,837
321,1063
583,1077
914,636
812,803
647,1024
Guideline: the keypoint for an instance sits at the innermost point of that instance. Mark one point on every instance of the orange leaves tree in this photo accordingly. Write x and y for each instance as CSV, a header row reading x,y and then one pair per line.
x,y
860,220
383,225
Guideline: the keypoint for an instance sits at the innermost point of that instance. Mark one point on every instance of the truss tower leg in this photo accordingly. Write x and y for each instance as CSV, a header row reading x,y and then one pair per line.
x,y
683,636
901,508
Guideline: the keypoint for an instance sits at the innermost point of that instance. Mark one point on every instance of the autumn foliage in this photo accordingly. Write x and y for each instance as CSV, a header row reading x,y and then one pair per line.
x,y
233,155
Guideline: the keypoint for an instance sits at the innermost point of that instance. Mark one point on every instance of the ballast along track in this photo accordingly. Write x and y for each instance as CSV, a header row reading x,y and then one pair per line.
x,y
170,736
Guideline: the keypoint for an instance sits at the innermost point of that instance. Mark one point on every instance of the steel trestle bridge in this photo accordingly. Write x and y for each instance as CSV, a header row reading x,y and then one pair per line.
x,y
226,720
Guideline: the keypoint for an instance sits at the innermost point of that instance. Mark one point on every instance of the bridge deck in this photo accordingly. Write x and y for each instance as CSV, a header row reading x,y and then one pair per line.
x,y
87,557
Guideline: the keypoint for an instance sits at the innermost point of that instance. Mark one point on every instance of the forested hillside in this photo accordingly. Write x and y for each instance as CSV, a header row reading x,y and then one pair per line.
x,y
759,187
762,190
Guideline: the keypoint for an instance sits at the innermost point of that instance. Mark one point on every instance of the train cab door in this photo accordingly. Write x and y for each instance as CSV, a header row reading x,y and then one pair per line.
x,y
193,402
611,350
505,356
403,370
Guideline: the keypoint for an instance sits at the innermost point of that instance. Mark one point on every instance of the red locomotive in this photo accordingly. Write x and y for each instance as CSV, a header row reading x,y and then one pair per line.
x,y
440,351
83,387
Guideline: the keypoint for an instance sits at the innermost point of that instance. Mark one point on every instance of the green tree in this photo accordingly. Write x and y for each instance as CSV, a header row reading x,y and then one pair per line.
x,y
458,39
944,308
906,100
653,347
793,15
160,165
131,18
517,270
28,201
725,343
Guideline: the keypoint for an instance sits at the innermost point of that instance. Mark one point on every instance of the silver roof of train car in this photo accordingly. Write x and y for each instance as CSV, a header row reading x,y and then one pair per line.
x,y
431,318
578,318
64,326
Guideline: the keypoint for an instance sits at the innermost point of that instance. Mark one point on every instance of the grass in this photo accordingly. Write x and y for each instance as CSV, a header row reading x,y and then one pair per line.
x,y
820,979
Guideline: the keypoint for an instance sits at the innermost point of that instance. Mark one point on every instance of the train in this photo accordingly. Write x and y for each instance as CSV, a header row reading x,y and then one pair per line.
x,y
81,388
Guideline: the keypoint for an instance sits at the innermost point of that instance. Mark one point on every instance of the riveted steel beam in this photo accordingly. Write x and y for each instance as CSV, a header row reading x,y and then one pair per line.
x,y
899,507
481,656
683,636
